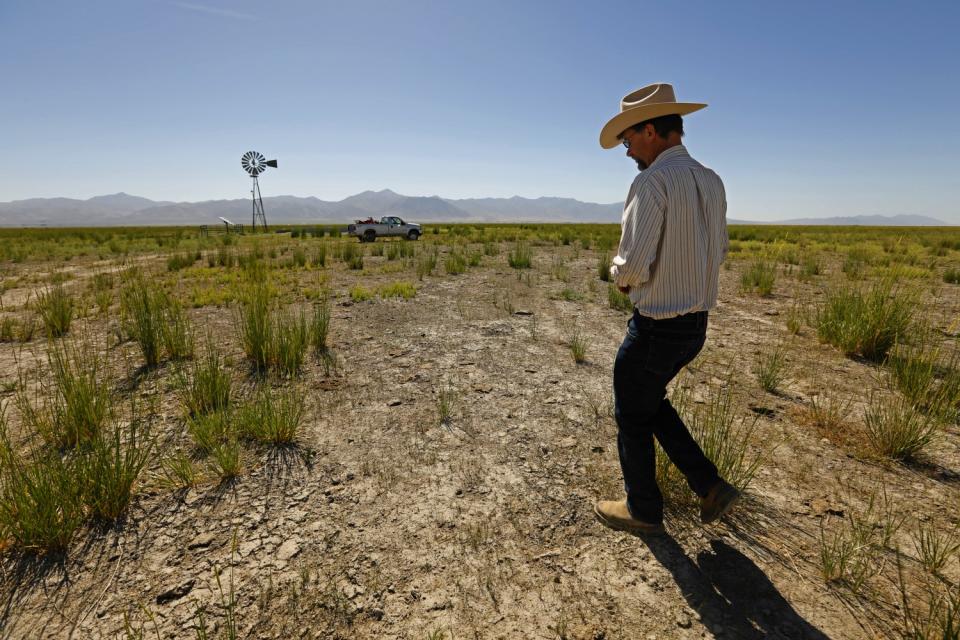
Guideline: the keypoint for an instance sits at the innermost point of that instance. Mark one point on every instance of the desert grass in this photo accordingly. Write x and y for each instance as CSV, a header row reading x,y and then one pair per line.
x,y
272,418
759,278
205,387
405,290
56,310
319,329
724,438
209,430
41,503
255,326
852,551
578,345
896,429
111,468
520,256
617,300
770,367
830,410
604,262
934,546
71,406
360,293
455,263
291,338
155,321
865,323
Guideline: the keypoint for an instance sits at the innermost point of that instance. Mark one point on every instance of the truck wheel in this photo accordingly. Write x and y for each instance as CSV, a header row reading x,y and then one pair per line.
x,y
413,235
369,235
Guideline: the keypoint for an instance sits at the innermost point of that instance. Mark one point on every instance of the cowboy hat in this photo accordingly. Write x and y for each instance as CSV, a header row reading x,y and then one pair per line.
x,y
652,101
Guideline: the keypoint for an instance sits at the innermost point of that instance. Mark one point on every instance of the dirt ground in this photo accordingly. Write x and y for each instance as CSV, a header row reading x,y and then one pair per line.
x,y
386,522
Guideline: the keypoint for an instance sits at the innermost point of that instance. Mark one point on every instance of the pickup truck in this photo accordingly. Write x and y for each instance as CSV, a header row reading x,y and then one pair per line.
x,y
369,230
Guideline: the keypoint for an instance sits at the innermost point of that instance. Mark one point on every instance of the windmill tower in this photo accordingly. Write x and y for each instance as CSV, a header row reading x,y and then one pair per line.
x,y
254,164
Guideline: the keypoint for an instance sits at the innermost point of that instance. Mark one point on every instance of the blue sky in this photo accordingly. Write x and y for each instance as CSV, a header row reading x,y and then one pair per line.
x,y
816,108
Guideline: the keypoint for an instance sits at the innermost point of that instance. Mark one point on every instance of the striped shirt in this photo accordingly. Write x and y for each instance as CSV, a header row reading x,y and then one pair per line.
x,y
674,237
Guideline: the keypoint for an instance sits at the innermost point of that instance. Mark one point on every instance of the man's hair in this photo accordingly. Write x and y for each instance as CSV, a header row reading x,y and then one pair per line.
x,y
663,125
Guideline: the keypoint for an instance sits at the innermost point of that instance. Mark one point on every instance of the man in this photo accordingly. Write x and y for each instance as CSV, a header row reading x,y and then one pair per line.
x,y
674,237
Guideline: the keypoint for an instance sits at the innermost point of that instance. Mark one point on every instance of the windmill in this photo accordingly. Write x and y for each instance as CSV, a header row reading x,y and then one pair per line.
x,y
254,163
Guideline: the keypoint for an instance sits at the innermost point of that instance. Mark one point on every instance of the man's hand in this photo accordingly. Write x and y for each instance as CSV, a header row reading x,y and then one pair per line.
x,y
625,289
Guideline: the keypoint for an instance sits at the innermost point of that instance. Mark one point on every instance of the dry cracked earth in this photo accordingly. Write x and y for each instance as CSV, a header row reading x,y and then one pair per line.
x,y
385,521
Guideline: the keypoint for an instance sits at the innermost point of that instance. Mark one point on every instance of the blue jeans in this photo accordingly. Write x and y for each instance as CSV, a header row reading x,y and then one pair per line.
x,y
652,354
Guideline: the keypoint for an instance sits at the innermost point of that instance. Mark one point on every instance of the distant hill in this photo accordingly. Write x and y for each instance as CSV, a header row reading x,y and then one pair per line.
x,y
869,221
124,209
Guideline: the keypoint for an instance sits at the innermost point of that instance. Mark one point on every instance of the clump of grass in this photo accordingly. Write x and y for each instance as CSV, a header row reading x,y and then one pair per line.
x,y
256,328
935,546
405,290
426,263
795,318
179,471
154,321
209,430
272,418
359,293
951,275
578,346
319,258
176,332
617,300
111,467
829,412
520,256
75,409
855,262
456,263
178,261
939,619
930,381
724,438
226,459
55,308
759,277
844,558
895,429
7,325
291,338
810,267
865,323
770,367
207,389
320,325
849,553
41,505
446,398
604,262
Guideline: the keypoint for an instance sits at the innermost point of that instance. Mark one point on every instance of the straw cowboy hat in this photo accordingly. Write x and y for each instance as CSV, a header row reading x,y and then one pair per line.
x,y
652,101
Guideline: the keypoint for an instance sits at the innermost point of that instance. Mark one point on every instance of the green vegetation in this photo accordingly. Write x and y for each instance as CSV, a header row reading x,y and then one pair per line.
x,y
865,323
55,308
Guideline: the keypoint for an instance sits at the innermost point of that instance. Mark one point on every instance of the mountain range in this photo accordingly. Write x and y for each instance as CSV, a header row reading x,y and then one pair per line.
x,y
121,209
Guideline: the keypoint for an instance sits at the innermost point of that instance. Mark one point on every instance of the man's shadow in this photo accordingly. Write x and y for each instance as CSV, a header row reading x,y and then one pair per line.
x,y
733,596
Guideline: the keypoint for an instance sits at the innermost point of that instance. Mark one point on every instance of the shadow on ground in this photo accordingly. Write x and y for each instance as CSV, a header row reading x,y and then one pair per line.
x,y
732,594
